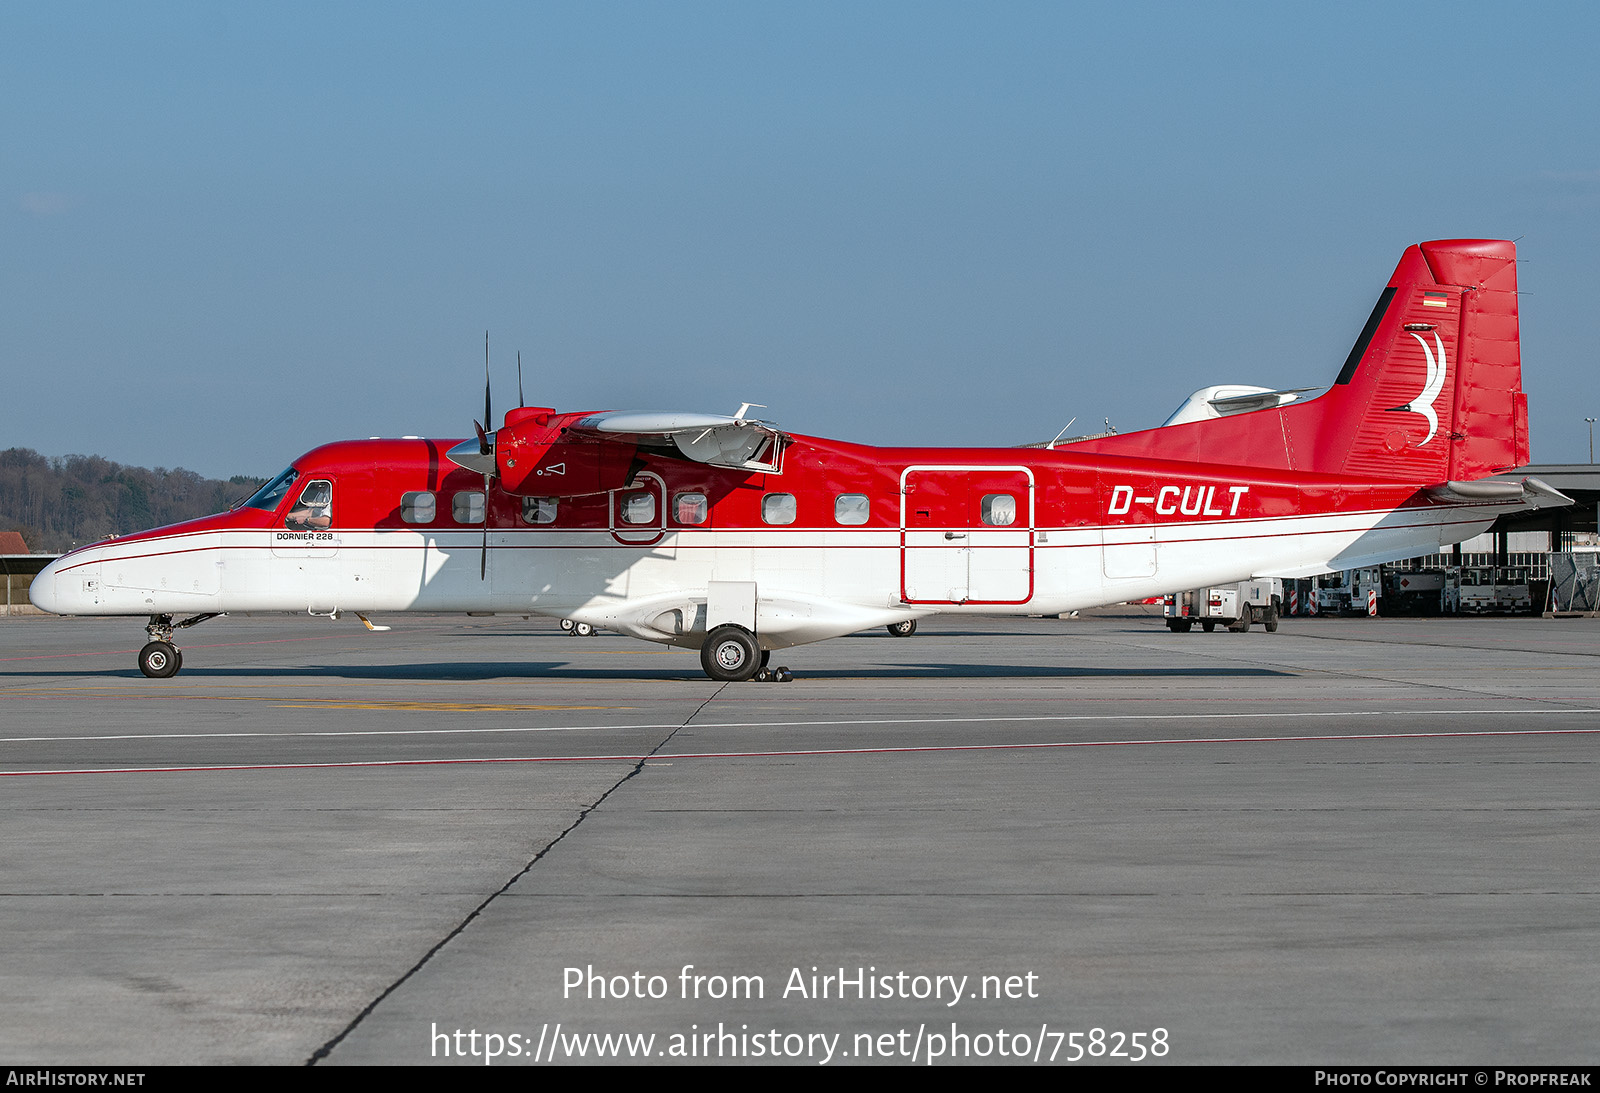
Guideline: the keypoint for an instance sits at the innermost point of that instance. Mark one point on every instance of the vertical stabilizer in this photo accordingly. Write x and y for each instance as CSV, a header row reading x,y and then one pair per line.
x,y
1431,392
1437,393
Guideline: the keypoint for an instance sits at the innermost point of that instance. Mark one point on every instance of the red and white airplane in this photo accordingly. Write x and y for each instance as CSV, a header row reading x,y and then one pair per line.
x,y
729,535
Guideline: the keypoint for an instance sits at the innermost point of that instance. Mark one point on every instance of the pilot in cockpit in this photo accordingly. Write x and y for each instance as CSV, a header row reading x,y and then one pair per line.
x,y
314,510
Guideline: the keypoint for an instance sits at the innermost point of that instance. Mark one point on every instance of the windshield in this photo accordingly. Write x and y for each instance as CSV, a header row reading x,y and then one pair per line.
x,y
268,496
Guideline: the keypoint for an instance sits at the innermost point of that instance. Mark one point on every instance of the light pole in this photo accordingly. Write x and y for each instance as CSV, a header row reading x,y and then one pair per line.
x,y
1590,420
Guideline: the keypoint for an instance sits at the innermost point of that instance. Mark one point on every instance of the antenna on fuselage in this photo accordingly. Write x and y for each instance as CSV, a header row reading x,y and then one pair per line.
x,y
1062,433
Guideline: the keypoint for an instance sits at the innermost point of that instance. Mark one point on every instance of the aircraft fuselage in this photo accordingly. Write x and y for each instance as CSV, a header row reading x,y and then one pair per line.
x,y
845,538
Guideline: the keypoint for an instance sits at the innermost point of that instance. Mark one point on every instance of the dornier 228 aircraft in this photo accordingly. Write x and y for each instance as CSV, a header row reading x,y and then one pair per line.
x,y
729,535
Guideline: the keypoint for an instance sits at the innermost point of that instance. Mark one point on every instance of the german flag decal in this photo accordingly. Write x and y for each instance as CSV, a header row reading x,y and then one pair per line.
x,y
1435,299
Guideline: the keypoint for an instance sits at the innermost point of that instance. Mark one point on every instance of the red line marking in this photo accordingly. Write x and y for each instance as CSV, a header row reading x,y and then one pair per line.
x,y
806,752
217,645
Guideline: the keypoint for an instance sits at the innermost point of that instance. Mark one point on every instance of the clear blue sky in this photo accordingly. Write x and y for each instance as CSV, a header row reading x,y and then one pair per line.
x,y
232,232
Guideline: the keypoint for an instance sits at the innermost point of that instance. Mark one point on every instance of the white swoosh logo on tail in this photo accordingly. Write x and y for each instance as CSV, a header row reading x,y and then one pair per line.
x,y
1423,403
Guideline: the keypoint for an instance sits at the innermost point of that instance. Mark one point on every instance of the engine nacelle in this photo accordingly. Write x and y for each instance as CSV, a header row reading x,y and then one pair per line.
x,y
535,457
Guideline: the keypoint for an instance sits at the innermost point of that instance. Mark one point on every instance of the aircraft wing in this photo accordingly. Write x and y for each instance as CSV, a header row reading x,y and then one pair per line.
x,y
717,439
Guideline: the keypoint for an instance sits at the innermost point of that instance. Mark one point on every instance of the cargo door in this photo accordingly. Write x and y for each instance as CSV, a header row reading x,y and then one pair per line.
x,y
966,535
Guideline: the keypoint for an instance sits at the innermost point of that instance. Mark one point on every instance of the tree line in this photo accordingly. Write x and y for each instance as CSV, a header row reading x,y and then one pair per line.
x,y
61,503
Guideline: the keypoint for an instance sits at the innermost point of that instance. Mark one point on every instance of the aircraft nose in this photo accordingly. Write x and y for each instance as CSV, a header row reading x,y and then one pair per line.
x,y
70,585
43,589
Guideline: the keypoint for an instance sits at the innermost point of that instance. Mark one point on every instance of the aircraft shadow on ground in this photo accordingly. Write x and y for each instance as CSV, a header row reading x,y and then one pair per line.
x,y
534,671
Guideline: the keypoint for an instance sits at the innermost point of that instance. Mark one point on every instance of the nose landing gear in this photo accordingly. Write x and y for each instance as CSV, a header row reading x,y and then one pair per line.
x,y
160,658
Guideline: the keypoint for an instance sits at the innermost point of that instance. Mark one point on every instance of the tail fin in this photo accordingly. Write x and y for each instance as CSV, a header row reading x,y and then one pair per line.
x,y
1431,392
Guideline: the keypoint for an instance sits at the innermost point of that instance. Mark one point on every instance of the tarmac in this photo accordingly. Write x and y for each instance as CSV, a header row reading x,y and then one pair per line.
x,y
1021,841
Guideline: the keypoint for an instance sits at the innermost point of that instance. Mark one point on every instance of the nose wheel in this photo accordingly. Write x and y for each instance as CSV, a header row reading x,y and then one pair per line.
x,y
160,660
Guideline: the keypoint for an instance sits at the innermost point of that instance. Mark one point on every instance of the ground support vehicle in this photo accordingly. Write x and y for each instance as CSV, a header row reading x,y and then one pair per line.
x,y
1234,606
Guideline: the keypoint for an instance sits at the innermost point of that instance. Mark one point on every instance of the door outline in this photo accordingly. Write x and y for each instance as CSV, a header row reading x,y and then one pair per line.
x,y
918,545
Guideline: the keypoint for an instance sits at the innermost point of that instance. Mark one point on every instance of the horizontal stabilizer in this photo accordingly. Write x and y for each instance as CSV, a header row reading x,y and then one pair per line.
x,y
1244,404
1227,399
1530,492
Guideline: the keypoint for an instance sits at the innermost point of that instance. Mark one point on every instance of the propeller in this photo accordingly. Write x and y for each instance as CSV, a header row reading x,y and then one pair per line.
x,y
479,455
485,448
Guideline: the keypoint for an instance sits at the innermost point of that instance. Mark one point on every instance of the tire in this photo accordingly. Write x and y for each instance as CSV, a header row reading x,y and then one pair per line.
x,y
583,629
1208,626
160,660
1270,620
1240,624
567,625
1180,626
902,629
730,654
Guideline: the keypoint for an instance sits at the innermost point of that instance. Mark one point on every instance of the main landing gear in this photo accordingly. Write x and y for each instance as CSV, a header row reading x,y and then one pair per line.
x,y
902,629
731,654
160,658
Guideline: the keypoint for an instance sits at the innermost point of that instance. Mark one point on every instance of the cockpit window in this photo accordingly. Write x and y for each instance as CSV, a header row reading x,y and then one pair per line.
x,y
268,496
314,510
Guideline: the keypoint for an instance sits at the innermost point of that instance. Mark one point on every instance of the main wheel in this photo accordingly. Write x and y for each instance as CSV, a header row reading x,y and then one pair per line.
x,y
567,625
1180,626
902,629
160,660
730,654
583,630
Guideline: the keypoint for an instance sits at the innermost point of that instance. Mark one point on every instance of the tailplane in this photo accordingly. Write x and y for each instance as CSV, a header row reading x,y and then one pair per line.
x,y
1430,393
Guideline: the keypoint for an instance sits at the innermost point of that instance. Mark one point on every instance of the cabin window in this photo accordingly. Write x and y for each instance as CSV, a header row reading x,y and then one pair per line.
x,y
538,510
778,508
639,507
314,510
418,508
851,508
466,507
998,509
689,508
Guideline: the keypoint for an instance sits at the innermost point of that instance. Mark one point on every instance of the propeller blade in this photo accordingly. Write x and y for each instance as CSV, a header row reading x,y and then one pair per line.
x,y
521,402
488,415
483,555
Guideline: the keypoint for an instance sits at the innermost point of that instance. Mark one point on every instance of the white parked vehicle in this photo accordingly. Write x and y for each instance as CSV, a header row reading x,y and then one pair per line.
x,y
1235,606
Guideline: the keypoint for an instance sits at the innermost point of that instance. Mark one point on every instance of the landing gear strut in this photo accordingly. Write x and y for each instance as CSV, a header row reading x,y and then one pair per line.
x,y
160,658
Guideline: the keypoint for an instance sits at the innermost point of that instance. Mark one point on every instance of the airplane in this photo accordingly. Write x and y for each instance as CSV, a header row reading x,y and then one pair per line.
x,y
732,536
